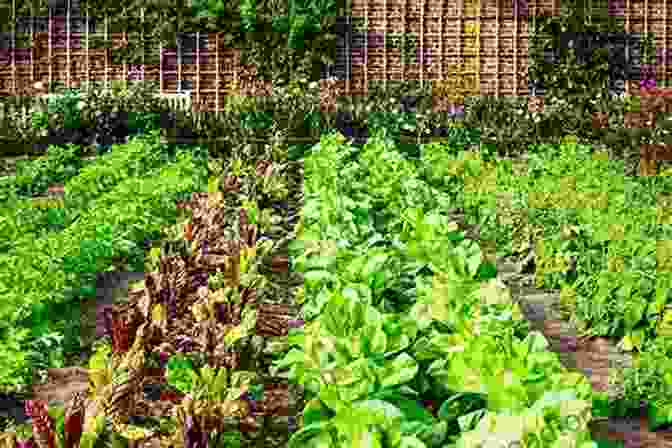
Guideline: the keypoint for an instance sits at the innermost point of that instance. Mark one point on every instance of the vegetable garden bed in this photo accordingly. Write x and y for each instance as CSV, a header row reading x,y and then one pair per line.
x,y
448,344
266,320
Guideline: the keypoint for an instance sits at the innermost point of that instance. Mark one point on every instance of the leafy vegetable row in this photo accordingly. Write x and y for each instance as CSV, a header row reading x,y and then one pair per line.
x,y
22,220
577,204
47,269
133,159
409,341
34,176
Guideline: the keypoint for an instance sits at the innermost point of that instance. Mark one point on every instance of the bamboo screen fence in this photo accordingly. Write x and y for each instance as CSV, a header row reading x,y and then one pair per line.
x,y
481,46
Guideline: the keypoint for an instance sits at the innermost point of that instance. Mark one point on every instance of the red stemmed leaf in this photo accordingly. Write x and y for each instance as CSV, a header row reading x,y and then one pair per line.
x,y
43,425
74,420
119,334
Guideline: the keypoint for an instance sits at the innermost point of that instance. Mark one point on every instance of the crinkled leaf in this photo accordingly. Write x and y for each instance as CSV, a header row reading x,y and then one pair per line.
x,y
400,370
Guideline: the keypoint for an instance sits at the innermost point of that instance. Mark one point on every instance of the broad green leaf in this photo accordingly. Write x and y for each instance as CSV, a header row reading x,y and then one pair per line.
x,y
329,395
398,371
664,327
354,426
553,398
336,316
634,311
353,380
472,256
357,292
660,414
375,336
318,262
411,442
422,314
314,412
313,278
316,435
461,404
494,291
506,392
398,342
390,412
632,340
374,264
536,342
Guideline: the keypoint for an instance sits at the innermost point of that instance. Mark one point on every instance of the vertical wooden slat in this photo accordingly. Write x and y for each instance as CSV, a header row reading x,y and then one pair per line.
x,y
460,55
627,46
443,31
498,19
179,67
125,64
107,56
217,73
142,39
384,47
13,46
404,33
366,46
646,30
347,49
67,44
515,48
534,28
49,36
236,68
423,4
32,46
198,68
160,68
477,74
88,62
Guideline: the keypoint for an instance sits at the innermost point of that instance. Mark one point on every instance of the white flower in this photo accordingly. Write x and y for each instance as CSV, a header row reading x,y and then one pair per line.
x,y
80,105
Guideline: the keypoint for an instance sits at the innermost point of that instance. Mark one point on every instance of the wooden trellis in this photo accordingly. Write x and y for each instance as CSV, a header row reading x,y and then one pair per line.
x,y
57,54
478,45
483,44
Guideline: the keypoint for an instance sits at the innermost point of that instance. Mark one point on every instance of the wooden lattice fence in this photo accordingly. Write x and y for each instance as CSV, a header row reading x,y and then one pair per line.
x,y
59,50
480,47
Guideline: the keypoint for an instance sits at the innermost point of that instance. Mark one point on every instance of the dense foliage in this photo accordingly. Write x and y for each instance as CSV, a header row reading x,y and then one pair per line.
x,y
399,314
88,245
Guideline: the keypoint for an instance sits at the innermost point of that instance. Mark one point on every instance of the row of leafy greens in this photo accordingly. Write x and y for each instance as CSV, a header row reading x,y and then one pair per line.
x,y
409,339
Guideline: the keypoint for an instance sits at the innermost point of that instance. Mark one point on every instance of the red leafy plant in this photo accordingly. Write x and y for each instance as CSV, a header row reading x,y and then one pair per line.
x,y
74,420
43,425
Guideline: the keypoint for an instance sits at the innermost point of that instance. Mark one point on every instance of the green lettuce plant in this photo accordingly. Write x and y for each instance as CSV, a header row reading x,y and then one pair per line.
x,y
460,339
